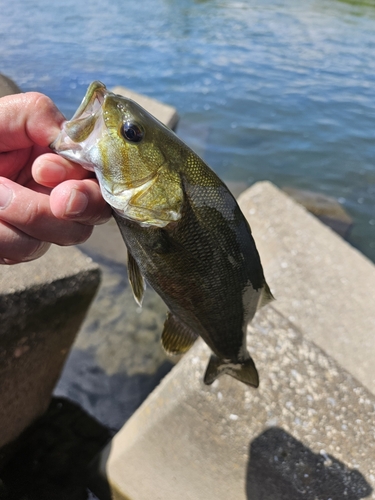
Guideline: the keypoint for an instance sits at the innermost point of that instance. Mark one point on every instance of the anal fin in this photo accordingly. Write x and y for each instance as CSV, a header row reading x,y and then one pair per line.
x,y
136,279
177,338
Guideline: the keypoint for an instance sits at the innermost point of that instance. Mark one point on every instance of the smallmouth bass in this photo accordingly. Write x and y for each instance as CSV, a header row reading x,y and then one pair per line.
x,y
184,231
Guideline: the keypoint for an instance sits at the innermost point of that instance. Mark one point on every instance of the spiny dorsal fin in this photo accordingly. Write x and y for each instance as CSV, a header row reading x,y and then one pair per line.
x,y
136,279
176,337
265,296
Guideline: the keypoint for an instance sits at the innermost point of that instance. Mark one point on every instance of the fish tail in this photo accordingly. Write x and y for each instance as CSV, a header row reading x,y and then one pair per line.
x,y
244,372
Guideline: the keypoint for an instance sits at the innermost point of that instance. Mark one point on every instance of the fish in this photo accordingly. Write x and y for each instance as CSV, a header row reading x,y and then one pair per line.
x,y
184,231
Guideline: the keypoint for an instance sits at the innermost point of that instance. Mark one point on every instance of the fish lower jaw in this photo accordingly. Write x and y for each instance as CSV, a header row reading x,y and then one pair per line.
x,y
76,157
149,222
120,203
120,200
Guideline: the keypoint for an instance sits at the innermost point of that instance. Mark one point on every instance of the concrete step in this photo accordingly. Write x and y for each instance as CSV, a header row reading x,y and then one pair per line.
x,y
42,306
306,433
309,430
323,285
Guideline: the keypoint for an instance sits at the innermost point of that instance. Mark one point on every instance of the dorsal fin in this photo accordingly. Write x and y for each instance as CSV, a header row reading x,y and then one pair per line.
x,y
265,296
136,279
177,338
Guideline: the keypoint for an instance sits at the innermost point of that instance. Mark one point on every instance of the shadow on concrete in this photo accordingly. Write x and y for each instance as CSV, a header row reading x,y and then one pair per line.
x,y
50,460
281,468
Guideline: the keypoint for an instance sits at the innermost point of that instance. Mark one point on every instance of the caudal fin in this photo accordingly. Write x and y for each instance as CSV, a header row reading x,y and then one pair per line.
x,y
244,372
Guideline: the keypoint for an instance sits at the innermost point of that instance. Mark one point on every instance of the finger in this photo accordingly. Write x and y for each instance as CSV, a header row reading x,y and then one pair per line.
x,y
81,201
16,246
28,119
50,170
30,212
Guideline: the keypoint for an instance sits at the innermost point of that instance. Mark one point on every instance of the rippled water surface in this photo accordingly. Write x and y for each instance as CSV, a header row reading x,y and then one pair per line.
x,y
279,90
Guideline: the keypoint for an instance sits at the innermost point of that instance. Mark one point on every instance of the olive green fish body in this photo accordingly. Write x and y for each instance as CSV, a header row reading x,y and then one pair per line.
x,y
203,275
185,233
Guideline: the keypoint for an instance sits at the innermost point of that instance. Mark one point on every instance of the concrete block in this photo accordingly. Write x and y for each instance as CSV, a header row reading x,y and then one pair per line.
x,y
306,433
325,208
163,112
8,86
42,305
323,285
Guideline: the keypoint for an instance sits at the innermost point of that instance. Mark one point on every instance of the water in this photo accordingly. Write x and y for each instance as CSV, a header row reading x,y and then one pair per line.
x,y
279,90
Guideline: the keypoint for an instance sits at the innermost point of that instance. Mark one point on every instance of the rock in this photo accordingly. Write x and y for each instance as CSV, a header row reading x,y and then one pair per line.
x,y
327,209
42,306
8,86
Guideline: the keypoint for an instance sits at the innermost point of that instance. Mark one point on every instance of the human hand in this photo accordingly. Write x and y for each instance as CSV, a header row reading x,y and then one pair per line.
x,y
44,198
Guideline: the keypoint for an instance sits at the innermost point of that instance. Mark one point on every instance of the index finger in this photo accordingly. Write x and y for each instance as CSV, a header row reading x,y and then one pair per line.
x,y
28,119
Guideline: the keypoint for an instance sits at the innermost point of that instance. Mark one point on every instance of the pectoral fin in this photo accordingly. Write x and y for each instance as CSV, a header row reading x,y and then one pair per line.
x,y
136,279
244,372
176,337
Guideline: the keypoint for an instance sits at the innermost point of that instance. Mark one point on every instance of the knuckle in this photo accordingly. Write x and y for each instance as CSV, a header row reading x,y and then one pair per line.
x,y
32,249
31,214
80,234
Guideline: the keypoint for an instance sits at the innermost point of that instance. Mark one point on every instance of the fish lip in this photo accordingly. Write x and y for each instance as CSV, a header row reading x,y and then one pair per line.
x,y
92,101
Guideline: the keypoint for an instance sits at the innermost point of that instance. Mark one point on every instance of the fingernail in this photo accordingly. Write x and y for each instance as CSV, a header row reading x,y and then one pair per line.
x,y
77,203
6,196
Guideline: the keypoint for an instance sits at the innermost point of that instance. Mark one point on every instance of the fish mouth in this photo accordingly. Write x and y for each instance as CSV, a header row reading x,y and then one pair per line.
x,y
92,101
75,133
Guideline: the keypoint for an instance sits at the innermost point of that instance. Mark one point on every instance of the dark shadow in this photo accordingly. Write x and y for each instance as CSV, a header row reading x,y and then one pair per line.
x,y
51,459
282,468
97,482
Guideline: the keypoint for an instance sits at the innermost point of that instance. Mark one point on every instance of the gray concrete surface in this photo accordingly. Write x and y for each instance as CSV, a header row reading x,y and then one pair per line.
x,y
42,305
322,284
308,432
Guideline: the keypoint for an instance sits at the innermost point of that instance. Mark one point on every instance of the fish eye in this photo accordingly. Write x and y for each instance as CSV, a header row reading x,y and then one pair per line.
x,y
132,132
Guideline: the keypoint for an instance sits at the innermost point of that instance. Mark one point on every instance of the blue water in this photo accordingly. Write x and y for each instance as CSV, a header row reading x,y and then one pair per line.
x,y
281,90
